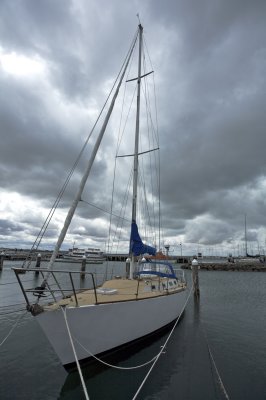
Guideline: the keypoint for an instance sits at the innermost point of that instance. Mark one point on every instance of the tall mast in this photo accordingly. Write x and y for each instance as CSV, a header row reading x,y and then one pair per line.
x,y
136,151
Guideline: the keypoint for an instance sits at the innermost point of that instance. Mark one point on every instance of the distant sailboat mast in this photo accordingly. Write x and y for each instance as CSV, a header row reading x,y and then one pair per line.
x,y
246,245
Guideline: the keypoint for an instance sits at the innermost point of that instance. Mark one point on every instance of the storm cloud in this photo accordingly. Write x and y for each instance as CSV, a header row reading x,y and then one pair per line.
x,y
58,61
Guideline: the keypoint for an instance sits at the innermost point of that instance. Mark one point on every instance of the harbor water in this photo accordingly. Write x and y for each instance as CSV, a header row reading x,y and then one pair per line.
x,y
229,321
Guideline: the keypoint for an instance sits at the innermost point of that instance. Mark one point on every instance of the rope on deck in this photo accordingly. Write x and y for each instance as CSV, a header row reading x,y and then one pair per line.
x,y
163,347
75,354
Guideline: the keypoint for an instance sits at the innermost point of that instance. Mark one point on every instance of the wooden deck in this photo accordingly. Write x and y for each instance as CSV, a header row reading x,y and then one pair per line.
x,y
124,290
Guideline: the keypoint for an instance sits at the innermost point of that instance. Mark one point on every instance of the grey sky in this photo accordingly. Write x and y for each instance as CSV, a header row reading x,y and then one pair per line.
x,y
210,63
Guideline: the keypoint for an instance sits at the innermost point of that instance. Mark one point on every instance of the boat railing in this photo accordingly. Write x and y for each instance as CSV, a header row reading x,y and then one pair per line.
x,y
71,283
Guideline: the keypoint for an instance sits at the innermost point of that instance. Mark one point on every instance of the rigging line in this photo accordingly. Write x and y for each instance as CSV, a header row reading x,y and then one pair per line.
x,y
127,117
145,91
12,312
119,140
12,305
153,139
145,201
75,354
163,347
5,319
110,219
123,211
61,192
120,122
155,100
111,241
150,124
105,211
155,97
72,209
157,131
119,219
121,132
13,327
124,203
151,215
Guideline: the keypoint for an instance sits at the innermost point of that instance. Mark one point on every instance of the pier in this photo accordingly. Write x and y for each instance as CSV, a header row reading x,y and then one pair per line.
x,y
22,254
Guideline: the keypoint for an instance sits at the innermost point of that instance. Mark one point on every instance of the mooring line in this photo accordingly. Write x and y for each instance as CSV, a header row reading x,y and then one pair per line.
x,y
163,347
115,366
214,364
13,327
75,354
219,376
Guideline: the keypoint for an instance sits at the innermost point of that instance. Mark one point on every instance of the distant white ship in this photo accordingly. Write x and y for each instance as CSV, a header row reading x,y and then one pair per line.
x,y
92,255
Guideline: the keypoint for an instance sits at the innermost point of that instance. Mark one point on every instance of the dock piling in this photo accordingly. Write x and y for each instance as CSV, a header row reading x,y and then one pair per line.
x,y
2,256
195,278
127,267
83,267
38,263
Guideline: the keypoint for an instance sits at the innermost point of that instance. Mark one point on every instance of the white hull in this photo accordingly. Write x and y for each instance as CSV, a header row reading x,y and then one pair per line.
x,y
103,327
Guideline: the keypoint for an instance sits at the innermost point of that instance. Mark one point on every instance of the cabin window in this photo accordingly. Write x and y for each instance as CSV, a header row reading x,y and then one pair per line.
x,y
171,283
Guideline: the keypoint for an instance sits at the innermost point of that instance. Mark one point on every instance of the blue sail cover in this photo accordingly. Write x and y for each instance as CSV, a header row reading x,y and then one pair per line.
x,y
155,269
137,247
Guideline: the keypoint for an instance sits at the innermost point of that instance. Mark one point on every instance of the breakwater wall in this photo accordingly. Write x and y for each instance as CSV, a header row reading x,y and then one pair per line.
x,y
245,266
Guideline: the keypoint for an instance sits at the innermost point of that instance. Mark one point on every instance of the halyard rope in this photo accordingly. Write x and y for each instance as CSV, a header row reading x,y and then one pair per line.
x,y
75,354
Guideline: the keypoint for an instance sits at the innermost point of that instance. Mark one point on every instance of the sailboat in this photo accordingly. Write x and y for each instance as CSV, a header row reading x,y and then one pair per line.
x,y
121,310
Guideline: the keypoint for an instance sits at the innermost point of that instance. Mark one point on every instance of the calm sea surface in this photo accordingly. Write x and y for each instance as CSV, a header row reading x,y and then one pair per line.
x,y
230,318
